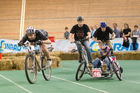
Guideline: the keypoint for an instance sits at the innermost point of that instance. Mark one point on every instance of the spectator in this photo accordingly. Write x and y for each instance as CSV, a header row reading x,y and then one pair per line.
x,y
116,30
126,30
135,35
66,34
121,32
126,34
93,29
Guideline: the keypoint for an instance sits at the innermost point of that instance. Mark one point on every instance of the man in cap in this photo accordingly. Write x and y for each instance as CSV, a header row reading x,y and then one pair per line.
x,y
81,32
102,36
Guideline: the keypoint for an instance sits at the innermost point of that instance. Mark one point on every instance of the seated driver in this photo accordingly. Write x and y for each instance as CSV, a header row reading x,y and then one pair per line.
x,y
105,51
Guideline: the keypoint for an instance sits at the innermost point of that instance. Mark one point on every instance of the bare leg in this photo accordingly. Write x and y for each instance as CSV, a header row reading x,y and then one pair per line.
x,y
101,44
45,50
108,42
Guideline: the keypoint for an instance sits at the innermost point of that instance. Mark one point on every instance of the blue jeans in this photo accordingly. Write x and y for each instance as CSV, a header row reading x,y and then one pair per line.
x,y
97,63
87,47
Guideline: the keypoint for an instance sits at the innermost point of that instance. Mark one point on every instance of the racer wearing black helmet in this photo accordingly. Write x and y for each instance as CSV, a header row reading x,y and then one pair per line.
x,y
38,36
30,30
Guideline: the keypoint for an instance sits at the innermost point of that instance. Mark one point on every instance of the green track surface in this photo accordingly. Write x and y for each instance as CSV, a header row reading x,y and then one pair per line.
x,y
63,81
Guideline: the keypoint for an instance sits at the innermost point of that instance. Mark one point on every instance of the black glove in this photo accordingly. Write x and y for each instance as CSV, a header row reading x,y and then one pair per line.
x,y
103,57
20,44
39,42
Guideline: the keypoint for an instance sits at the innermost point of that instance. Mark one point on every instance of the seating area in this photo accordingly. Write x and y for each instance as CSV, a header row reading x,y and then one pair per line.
x,y
54,15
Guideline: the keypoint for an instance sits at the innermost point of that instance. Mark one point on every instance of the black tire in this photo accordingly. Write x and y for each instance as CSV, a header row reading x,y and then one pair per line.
x,y
117,71
80,69
46,69
121,69
30,66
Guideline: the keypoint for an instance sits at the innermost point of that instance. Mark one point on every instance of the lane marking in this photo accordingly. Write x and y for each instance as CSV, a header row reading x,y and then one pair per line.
x,y
103,91
127,81
131,81
67,69
28,91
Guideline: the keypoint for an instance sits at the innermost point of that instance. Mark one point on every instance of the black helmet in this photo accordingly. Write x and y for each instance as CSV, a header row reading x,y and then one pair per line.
x,y
30,30
80,18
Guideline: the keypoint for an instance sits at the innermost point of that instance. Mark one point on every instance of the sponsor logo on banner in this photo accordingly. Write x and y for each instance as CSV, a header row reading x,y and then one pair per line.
x,y
94,47
10,46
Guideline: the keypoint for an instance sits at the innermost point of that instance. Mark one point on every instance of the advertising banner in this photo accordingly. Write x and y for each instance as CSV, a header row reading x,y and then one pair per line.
x,y
65,46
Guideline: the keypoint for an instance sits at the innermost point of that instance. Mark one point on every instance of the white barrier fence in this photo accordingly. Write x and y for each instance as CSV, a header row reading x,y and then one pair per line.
x,y
65,46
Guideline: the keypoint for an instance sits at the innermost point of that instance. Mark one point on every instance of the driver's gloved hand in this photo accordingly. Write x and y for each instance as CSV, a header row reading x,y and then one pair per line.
x,y
103,57
39,42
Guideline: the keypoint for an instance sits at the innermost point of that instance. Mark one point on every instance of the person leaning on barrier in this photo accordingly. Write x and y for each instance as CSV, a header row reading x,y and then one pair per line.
x,y
126,35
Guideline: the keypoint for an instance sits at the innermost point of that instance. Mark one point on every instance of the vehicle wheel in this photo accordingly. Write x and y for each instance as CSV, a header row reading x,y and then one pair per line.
x,y
46,69
30,69
80,71
117,71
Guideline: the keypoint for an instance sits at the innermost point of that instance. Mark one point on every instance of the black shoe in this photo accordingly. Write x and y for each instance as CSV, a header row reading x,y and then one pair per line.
x,y
80,59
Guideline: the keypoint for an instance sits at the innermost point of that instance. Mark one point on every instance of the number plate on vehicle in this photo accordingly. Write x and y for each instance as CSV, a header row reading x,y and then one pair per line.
x,y
96,72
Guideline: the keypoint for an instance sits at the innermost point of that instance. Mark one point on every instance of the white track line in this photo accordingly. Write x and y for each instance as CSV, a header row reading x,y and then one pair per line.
x,y
103,91
67,69
131,81
28,91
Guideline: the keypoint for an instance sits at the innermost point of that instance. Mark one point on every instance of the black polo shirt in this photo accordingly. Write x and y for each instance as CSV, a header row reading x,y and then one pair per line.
x,y
80,32
103,36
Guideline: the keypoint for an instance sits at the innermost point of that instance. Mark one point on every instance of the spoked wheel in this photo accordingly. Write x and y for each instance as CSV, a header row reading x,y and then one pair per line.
x,y
46,69
117,71
80,71
30,69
